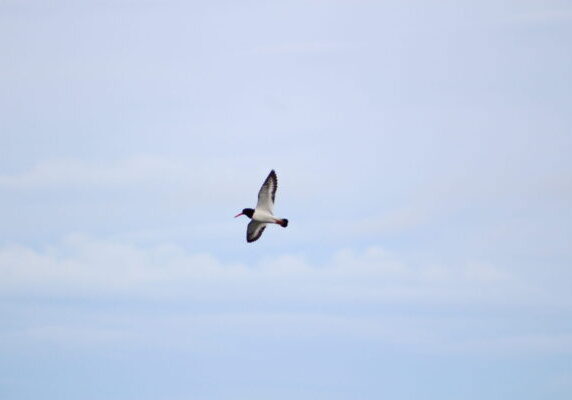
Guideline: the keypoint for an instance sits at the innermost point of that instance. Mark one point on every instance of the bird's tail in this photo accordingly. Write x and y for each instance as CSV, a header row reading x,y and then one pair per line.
x,y
283,223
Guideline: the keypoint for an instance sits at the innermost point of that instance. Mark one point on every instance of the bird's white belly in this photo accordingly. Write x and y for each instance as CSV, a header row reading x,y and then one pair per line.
x,y
263,216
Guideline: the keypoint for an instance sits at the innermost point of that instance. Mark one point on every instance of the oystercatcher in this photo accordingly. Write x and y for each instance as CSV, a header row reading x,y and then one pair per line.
x,y
262,214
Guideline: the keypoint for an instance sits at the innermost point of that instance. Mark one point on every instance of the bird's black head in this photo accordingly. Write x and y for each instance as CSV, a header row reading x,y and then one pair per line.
x,y
249,212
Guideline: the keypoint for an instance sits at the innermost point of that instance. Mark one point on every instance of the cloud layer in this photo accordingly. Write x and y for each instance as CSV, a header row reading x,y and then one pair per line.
x,y
370,295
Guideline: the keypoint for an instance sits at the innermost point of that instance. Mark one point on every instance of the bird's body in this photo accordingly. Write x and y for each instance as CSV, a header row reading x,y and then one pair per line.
x,y
262,215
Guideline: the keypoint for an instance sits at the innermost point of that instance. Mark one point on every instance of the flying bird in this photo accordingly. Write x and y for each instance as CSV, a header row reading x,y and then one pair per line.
x,y
262,214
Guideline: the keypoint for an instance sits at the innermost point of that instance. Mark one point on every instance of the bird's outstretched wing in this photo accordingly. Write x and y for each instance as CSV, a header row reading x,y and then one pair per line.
x,y
267,193
254,230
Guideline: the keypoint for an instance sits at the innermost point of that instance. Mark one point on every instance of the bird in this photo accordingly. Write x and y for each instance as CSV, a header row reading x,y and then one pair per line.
x,y
262,214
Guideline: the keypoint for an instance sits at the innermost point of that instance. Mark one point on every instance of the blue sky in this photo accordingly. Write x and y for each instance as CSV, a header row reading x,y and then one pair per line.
x,y
423,156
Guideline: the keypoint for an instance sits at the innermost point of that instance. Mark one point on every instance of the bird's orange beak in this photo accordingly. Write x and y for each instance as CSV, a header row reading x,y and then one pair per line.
x,y
238,215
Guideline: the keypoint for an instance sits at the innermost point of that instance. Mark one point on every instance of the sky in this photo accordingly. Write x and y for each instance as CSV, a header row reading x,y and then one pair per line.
x,y
423,157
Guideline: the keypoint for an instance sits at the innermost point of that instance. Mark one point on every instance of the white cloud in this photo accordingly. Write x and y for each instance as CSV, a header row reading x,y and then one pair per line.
x,y
307,47
369,296
83,266
544,16
529,343
197,178
132,170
